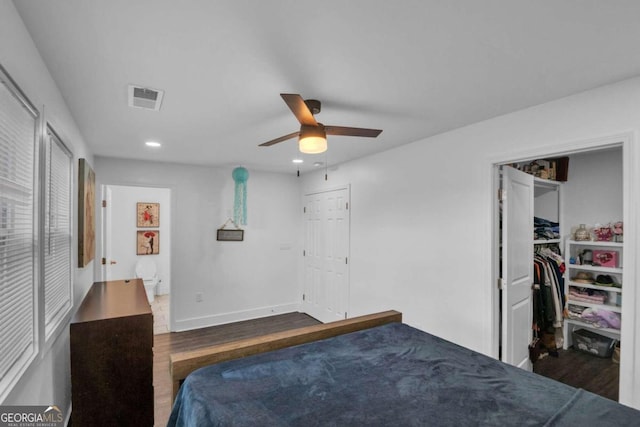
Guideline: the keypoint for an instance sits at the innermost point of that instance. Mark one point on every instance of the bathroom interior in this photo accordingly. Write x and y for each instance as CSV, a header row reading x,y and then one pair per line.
x,y
136,243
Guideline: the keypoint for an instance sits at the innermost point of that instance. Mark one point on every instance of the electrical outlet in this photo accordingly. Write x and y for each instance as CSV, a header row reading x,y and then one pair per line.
x,y
198,296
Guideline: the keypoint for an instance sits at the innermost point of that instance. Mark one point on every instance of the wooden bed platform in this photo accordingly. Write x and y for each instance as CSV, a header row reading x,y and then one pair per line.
x,y
183,363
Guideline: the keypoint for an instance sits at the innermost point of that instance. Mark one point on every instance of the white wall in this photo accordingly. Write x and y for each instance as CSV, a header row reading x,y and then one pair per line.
x,y
422,215
593,193
124,200
48,380
237,280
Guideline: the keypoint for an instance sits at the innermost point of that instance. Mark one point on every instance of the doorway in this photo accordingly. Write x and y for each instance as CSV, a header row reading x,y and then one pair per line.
x,y
580,203
121,249
326,261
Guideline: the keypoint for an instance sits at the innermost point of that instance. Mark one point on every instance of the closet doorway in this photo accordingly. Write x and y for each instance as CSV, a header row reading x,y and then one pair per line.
x,y
594,193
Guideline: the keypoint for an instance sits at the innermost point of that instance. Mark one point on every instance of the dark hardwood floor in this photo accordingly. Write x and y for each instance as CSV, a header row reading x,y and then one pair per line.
x,y
582,370
165,344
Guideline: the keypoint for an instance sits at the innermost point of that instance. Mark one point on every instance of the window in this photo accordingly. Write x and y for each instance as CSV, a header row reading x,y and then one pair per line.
x,y
18,233
36,198
57,232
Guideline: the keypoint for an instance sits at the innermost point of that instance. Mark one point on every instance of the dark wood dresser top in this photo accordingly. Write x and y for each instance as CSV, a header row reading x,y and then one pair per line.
x,y
112,299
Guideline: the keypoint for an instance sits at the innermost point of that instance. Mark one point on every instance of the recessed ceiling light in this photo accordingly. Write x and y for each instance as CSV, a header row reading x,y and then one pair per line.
x,y
298,161
152,144
316,164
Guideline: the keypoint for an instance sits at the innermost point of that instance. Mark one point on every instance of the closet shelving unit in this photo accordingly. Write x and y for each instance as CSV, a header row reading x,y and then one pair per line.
x,y
540,188
573,247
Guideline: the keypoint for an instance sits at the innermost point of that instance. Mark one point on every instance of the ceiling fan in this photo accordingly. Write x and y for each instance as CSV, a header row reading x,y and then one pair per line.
x,y
312,134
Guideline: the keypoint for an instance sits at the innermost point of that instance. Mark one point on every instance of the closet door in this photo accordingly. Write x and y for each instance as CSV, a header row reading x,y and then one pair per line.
x,y
517,270
326,287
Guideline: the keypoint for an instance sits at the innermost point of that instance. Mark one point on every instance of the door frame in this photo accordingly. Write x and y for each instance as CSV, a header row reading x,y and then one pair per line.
x,y
101,273
629,360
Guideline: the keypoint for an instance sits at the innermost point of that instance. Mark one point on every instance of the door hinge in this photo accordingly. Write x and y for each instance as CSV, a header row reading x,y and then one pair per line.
x,y
346,260
104,203
103,261
347,206
304,209
500,283
304,253
345,314
502,194
304,297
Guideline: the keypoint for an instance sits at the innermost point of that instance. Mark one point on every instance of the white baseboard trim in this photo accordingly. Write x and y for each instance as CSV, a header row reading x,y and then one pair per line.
x,y
237,316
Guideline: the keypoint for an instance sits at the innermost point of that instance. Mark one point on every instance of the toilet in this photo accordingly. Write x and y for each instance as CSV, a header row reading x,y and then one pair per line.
x,y
146,270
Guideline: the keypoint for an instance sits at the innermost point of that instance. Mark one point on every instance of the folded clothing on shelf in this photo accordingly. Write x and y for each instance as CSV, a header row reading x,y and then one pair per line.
x,y
601,318
543,229
587,295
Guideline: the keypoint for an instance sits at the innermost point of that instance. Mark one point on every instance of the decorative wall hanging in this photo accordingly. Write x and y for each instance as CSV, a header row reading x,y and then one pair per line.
x,y
148,242
148,214
240,176
229,234
86,213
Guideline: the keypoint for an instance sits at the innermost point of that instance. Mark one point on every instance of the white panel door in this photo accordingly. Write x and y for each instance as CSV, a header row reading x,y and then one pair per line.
x,y
117,236
517,266
311,299
326,289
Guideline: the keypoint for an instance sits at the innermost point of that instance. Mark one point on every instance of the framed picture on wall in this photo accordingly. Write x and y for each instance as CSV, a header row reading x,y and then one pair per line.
x,y
148,242
148,214
86,213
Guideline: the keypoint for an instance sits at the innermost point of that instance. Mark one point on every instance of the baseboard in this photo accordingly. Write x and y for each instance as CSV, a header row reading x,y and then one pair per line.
x,y
237,316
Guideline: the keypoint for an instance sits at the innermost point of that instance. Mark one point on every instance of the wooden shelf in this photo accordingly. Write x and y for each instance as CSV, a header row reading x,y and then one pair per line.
x,y
596,243
598,287
594,328
585,267
546,241
613,308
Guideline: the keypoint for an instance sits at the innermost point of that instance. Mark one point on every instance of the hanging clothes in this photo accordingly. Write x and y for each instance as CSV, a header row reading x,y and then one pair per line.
x,y
548,297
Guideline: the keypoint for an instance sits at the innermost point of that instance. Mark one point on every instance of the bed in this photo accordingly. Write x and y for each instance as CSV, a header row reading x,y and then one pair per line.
x,y
372,370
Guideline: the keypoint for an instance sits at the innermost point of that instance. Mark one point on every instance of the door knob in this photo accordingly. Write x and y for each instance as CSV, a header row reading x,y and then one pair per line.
x,y
113,262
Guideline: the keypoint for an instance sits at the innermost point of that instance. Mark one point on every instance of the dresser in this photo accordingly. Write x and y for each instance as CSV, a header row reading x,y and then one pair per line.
x,y
112,356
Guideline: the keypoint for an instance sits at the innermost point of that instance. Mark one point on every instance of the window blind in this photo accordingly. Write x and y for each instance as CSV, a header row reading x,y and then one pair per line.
x,y
57,232
18,124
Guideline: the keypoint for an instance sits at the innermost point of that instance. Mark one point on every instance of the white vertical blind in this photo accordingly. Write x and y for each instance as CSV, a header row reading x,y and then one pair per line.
x,y
18,121
57,233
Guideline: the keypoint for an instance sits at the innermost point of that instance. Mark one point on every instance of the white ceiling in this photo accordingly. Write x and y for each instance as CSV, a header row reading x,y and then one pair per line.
x,y
412,68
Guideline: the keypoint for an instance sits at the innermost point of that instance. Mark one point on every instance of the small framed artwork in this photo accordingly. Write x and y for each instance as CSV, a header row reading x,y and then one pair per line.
x,y
148,214
230,235
148,242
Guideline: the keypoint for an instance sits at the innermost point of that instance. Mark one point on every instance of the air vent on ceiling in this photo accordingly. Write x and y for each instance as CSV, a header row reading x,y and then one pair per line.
x,y
142,97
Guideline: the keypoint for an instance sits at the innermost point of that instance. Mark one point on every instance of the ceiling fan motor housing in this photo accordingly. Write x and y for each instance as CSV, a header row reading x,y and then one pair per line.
x,y
313,105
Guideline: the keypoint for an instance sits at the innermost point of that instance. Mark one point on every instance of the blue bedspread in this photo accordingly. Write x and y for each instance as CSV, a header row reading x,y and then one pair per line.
x,y
392,375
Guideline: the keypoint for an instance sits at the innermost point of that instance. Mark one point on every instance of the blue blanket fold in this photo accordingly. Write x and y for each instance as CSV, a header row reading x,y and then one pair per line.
x,y
389,375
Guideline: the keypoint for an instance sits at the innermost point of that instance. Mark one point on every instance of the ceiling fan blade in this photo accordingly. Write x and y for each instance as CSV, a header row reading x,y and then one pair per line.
x,y
282,138
347,131
299,109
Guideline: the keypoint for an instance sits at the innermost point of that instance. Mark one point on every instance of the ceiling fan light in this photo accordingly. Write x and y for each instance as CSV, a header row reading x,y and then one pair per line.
x,y
313,140
312,144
